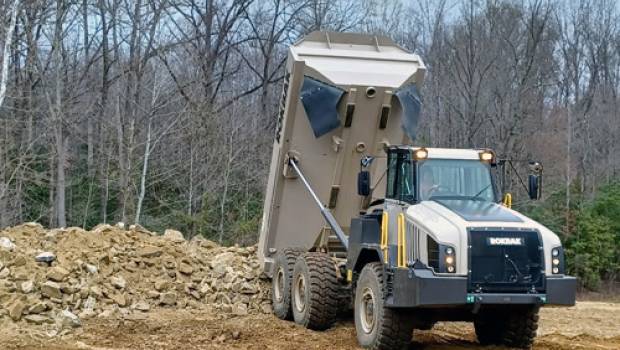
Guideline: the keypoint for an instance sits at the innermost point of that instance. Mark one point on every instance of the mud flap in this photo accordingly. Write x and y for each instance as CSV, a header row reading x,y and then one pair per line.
x,y
321,105
411,104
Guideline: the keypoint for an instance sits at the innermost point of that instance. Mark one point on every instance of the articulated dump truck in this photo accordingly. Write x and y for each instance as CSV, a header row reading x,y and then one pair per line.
x,y
357,216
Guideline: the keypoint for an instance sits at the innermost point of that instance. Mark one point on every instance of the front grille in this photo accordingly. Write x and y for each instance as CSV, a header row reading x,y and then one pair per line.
x,y
433,253
505,261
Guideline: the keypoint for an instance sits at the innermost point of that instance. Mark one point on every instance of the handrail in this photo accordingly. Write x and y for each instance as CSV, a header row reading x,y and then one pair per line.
x,y
384,236
402,242
508,200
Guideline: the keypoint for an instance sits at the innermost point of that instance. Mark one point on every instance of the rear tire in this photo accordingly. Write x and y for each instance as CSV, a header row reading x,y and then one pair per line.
x,y
315,291
281,282
345,302
377,326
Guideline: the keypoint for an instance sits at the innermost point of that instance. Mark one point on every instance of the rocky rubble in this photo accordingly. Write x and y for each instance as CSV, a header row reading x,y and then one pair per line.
x,y
59,277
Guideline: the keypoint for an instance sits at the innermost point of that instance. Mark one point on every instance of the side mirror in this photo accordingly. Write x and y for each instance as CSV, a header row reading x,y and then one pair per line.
x,y
534,186
363,183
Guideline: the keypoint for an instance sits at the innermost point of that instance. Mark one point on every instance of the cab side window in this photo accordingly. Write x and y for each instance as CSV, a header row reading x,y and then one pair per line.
x,y
400,179
390,191
405,176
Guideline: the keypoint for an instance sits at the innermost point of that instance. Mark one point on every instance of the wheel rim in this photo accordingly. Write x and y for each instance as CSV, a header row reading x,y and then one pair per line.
x,y
366,310
300,293
279,284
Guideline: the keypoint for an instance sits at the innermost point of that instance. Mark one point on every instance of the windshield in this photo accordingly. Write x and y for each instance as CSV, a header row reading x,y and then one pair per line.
x,y
455,179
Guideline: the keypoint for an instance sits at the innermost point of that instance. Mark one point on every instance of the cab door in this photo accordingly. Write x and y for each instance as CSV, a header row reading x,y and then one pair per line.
x,y
400,194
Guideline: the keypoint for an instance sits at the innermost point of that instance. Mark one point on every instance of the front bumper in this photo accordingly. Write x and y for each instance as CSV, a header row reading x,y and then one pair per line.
x,y
422,288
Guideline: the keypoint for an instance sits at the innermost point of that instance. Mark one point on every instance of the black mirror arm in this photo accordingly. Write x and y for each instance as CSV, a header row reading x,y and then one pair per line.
x,y
372,188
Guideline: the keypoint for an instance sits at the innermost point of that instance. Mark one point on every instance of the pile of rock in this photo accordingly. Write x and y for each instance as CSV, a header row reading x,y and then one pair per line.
x,y
61,276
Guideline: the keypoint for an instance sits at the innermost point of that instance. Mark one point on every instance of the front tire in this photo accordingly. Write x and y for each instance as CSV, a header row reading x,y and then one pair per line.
x,y
489,328
515,327
521,328
315,291
377,326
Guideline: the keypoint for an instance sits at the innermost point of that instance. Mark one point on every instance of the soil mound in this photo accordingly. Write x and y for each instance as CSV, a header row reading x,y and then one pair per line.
x,y
59,277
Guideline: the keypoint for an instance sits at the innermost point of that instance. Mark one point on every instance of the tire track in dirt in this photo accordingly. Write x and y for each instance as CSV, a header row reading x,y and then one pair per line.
x,y
589,325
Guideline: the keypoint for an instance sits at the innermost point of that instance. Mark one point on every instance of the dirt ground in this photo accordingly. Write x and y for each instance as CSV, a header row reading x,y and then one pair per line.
x,y
589,325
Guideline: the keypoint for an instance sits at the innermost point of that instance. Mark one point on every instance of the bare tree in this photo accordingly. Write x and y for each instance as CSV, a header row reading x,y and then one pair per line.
x,y
6,52
162,112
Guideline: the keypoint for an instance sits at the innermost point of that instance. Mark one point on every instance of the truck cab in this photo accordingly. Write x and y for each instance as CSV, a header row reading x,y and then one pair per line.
x,y
443,225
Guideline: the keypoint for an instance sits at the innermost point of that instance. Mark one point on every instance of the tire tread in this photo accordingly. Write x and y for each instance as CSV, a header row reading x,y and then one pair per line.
x,y
290,256
397,328
324,291
516,328
521,329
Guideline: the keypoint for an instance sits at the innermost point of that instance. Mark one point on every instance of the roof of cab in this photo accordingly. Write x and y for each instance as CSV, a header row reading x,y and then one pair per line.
x,y
447,153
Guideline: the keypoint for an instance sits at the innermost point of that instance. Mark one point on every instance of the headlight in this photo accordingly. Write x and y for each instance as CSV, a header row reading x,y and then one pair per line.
x,y
420,154
449,260
557,260
487,156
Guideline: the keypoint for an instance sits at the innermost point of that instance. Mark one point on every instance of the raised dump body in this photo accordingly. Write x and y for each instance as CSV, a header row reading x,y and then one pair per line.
x,y
345,96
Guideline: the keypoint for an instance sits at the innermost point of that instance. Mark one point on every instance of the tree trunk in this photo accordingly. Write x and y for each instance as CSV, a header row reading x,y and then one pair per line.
x,y
224,197
132,100
90,157
105,187
58,118
60,179
3,190
122,180
4,73
52,194
145,166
